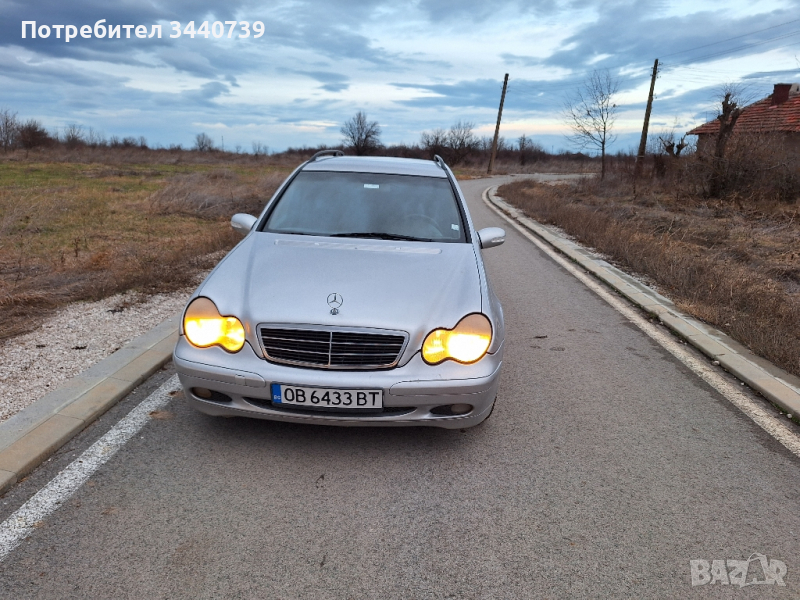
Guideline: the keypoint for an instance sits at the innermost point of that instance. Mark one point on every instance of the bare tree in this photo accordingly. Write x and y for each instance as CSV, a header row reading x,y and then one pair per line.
x,y
529,150
523,144
72,136
461,141
484,143
729,113
260,149
434,142
591,113
361,135
95,138
455,144
9,129
203,143
670,146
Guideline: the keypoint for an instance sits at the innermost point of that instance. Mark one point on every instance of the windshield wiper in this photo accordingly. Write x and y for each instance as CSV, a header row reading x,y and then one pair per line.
x,y
381,236
293,232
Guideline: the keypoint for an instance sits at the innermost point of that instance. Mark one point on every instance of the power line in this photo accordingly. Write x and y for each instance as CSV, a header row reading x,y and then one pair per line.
x,y
731,38
561,85
555,86
702,70
558,85
744,47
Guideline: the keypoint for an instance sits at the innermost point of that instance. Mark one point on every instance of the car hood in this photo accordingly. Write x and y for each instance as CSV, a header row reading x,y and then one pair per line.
x,y
412,287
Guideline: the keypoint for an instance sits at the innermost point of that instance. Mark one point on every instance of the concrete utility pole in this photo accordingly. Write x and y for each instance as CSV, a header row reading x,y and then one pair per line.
x,y
497,128
643,142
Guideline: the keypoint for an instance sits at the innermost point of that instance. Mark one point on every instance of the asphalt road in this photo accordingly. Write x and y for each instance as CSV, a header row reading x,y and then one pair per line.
x,y
607,466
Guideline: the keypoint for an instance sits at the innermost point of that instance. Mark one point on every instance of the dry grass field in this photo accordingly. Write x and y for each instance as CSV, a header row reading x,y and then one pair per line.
x,y
735,265
85,224
88,222
113,221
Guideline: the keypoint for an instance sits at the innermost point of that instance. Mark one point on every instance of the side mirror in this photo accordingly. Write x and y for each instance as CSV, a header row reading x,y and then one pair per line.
x,y
243,223
491,237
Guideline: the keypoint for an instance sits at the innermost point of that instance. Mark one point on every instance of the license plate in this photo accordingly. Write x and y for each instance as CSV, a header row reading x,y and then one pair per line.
x,y
313,397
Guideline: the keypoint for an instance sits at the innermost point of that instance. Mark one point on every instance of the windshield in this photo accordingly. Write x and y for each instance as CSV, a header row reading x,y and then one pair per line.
x,y
368,205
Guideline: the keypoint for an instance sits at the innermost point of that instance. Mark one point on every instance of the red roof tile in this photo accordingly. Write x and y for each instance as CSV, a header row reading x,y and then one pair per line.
x,y
762,117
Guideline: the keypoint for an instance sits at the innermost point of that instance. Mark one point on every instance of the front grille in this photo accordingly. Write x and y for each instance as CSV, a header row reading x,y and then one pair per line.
x,y
332,348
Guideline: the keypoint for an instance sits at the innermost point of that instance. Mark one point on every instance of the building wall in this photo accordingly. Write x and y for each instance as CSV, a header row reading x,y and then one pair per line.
x,y
789,141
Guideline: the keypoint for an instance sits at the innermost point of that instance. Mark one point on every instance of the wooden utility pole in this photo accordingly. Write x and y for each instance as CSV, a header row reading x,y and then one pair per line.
x,y
497,127
643,142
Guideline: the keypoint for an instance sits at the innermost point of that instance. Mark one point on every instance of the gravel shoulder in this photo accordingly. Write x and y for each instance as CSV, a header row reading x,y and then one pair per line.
x,y
72,340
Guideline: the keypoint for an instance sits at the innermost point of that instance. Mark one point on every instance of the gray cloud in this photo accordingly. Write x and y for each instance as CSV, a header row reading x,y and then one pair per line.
x,y
183,59
335,44
481,93
331,82
783,75
633,33
330,28
478,11
45,73
519,59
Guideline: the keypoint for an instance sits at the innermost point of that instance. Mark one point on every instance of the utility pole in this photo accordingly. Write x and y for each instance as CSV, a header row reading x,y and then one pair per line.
x,y
643,142
497,128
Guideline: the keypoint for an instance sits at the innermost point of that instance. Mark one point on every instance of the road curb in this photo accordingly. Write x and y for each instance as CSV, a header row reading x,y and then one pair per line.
x,y
35,433
778,386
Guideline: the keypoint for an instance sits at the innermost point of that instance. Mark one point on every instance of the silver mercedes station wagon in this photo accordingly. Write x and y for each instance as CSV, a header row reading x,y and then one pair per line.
x,y
358,297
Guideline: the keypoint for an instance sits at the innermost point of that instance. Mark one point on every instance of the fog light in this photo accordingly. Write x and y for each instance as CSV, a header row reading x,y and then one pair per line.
x,y
202,393
460,409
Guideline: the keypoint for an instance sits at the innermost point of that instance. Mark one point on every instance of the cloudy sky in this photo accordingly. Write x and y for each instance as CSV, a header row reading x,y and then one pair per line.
x,y
412,66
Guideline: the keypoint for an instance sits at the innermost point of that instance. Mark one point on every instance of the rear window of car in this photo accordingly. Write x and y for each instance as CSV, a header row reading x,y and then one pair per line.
x,y
368,205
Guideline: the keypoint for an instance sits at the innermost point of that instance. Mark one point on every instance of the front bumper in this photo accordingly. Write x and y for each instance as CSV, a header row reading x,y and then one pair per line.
x,y
241,383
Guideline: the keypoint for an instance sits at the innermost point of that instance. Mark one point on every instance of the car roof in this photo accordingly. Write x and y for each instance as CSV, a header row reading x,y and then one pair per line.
x,y
377,164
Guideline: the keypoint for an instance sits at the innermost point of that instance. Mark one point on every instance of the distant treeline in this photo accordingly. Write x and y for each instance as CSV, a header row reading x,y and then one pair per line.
x,y
457,145
27,135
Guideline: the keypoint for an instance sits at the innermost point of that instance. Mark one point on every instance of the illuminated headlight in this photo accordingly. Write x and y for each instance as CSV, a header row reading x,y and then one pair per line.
x,y
467,342
204,327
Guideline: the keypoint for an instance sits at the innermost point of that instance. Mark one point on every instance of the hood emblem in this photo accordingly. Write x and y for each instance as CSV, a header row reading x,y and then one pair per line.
x,y
335,301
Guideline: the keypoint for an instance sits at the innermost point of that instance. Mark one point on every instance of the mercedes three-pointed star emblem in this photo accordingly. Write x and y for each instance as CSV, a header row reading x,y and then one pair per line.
x,y
335,301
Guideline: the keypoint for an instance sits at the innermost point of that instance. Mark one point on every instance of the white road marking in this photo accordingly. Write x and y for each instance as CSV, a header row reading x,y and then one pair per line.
x,y
19,525
769,423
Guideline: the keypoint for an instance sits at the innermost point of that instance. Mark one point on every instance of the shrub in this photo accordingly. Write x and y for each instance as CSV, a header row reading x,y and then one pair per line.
x,y
31,135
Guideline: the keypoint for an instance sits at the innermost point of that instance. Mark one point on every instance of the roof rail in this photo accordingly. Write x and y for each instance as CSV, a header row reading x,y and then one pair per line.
x,y
325,153
440,161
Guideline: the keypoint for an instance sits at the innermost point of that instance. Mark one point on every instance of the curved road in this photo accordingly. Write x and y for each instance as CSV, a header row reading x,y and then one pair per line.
x,y
606,468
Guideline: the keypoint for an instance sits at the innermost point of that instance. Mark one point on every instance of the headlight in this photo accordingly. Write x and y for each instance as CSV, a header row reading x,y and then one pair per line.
x,y
204,327
467,342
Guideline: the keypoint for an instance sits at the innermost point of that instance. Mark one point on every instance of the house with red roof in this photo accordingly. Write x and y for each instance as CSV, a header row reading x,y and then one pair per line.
x,y
777,116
